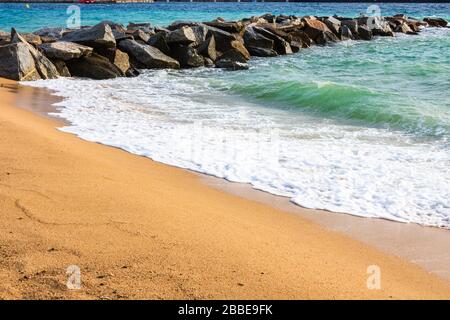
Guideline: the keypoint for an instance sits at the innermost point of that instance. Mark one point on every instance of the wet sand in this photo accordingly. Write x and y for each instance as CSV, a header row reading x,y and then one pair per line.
x,y
141,229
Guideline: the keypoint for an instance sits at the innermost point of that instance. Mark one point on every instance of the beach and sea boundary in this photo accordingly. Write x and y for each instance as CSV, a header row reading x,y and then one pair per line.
x,y
129,227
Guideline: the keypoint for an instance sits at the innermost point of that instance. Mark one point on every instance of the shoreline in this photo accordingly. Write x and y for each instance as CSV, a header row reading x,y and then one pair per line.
x,y
389,236
133,225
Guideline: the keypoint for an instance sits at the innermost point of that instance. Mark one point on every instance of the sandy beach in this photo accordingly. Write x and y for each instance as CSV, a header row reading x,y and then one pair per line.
x,y
138,229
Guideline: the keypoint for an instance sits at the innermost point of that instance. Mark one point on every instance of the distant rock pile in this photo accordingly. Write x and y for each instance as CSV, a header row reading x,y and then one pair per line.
x,y
108,50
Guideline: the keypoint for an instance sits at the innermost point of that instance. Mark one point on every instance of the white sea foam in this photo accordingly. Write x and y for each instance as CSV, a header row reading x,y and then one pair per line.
x,y
178,119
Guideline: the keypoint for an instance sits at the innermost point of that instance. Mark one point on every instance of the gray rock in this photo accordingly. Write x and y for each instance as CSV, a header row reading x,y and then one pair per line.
x,y
55,33
119,35
179,24
185,35
231,26
147,56
277,31
141,35
296,46
121,60
256,39
262,52
188,57
63,50
365,33
436,22
114,26
319,32
208,48
61,67
146,27
269,17
300,37
352,25
200,32
404,28
346,34
17,63
159,41
208,62
43,65
95,67
97,36
223,38
239,47
333,24
280,45
234,55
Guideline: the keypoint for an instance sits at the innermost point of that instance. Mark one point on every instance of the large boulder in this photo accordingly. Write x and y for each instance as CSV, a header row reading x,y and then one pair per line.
x,y
436,22
280,45
121,60
146,27
63,50
55,33
414,25
146,56
230,26
208,48
121,35
179,24
333,24
95,67
300,38
319,32
223,38
98,36
185,35
159,41
256,39
261,52
380,27
201,32
346,33
44,66
277,31
188,57
352,25
61,67
404,28
17,63
239,47
234,55
365,33
141,35
114,26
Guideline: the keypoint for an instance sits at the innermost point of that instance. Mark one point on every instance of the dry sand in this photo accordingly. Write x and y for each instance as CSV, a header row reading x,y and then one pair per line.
x,y
140,229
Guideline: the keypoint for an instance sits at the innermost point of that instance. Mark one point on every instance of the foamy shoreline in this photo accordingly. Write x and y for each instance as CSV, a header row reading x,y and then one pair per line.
x,y
139,229
423,246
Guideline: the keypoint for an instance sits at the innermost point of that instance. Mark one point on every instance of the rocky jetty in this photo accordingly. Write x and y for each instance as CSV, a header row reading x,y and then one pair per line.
x,y
108,50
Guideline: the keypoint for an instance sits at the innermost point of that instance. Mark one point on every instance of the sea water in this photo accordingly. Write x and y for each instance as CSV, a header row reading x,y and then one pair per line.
x,y
356,127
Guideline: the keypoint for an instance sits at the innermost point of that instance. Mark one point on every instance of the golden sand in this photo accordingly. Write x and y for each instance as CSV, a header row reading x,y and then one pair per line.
x,y
141,229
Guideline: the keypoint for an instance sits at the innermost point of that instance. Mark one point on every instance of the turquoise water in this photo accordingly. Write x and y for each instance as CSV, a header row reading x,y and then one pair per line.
x,y
41,15
355,127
